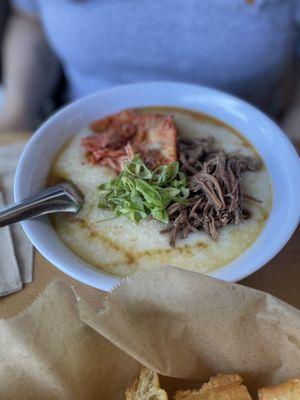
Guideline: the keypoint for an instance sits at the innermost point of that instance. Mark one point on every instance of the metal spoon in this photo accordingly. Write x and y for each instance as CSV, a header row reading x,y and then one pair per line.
x,y
64,197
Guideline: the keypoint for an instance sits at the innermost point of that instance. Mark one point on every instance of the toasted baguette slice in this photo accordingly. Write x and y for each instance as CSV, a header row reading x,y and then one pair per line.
x,y
146,387
220,387
221,382
289,390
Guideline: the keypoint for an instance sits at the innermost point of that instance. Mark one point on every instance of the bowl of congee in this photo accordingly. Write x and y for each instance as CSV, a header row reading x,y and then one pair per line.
x,y
172,174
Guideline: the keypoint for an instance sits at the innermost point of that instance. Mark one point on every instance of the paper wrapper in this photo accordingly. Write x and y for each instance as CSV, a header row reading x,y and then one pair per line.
x,y
180,323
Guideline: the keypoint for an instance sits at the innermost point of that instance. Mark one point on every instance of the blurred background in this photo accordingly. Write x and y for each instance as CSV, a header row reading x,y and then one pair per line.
x,y
4,15
55,52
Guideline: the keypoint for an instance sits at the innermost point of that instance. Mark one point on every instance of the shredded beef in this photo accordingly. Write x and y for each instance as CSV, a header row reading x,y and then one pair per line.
x,y
216,196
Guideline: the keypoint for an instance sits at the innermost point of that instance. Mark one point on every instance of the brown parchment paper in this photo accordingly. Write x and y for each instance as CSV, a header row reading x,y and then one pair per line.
x,y
180,323
47,353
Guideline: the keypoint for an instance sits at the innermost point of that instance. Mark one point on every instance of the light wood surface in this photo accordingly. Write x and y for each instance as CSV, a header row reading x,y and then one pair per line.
x,y
280,277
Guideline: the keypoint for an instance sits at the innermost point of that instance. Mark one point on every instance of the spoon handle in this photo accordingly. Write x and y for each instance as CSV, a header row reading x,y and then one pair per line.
x,y
59,198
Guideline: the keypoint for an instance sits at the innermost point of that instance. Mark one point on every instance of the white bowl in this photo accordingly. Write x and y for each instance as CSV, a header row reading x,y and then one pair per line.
x,y
277,152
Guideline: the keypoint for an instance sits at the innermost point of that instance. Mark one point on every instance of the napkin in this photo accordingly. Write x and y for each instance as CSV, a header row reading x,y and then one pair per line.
x,y
10,277
16,263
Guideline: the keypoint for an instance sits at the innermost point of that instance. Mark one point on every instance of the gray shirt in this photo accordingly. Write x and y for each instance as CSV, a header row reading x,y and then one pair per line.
x,y
241,46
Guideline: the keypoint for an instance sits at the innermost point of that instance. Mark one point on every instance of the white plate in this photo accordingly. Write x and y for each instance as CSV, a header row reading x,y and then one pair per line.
x,y
277,152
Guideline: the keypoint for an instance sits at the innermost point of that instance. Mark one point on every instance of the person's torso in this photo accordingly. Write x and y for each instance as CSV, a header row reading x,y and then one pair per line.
x,y
239,46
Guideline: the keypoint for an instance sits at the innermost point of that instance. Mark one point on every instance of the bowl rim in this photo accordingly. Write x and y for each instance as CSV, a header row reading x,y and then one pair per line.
x,y
32,230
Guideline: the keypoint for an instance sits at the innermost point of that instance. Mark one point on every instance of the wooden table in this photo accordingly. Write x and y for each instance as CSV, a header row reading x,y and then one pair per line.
x,y
280,277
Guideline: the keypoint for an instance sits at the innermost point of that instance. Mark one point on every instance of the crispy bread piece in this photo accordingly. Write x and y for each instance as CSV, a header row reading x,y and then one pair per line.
x,y
289,390
220,382
146,387
220,387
